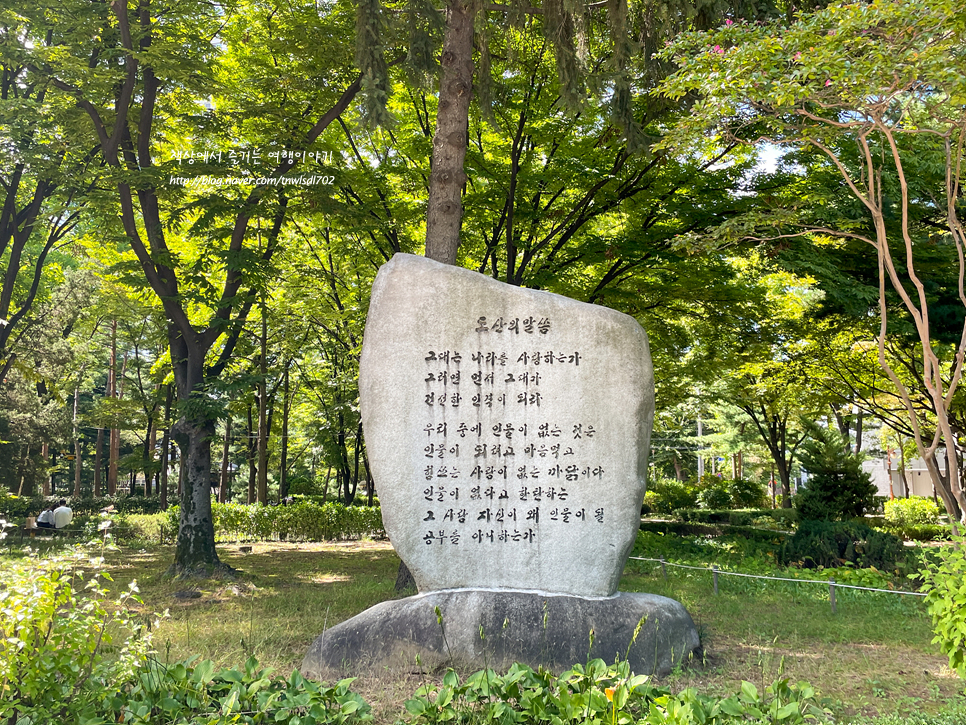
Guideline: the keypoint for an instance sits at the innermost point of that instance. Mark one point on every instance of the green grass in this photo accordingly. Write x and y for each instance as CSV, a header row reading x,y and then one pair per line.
x,y
873,657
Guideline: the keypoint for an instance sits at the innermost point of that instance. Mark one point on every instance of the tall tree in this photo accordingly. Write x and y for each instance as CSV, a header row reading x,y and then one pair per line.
x,y
876,89
127,66
594,48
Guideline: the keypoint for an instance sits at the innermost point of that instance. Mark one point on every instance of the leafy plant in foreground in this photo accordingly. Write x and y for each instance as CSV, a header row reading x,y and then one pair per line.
x,y
57,623
601,694
945,587
195,692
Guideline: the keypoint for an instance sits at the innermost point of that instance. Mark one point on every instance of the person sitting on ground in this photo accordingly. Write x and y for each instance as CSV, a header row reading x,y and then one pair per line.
x,y
46,518
62,515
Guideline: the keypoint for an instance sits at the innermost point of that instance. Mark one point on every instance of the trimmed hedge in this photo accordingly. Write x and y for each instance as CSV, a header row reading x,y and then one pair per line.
x,y
296,522
736,517
920,532
693,529
20,507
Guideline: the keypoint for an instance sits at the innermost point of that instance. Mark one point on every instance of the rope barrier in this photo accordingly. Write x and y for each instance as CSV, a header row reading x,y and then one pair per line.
x,y
714,570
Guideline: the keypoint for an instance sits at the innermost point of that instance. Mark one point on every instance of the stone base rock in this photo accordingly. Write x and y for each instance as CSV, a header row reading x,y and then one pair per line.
x,y
536,629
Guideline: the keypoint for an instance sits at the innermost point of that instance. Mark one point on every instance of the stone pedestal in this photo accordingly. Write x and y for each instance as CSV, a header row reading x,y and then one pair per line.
x,y
477,628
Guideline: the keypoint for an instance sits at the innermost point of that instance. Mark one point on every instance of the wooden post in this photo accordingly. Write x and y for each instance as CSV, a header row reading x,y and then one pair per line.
x,y
714,574
664,570
831,593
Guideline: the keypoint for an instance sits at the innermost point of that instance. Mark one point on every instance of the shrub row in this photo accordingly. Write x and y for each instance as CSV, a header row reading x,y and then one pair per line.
x,y
737,517
322,500
920,532
666,495
694,529
296,522
18,508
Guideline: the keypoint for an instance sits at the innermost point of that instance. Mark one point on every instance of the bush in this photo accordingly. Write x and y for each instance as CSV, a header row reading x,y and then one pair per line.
x,y
837,488
921,532
785,517
54,666
669,494
715,496
297,522
945,587
710,492
746,494
829,544
912,511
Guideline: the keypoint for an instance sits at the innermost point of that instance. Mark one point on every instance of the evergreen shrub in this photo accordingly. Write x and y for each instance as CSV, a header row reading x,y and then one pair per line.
x,y
669,494
747,494
829,544
837,488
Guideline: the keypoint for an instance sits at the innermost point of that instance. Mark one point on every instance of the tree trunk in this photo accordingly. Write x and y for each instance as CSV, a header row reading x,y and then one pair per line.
x,y
195,553
444,213
358,455
44,456
902,470
263,413
98,462
283,457
858,431
114,444
678,468
149,456
223,479
23,472
251,448
784,474
166,448
445,208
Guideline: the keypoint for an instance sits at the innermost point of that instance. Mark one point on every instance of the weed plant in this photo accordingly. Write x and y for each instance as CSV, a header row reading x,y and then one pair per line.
x,y
602,694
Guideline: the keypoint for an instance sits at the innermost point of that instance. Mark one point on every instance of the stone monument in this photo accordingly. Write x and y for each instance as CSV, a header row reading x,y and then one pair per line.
x,y
507,431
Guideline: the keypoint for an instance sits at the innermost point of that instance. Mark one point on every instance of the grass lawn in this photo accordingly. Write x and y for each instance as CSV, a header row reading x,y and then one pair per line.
x,y
873,657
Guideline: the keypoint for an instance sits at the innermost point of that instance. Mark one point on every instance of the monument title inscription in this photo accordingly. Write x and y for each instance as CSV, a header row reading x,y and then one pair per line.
x,y
507,430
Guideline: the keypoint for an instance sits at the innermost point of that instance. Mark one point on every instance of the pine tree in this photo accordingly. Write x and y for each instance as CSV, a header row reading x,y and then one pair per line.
x,y
602,50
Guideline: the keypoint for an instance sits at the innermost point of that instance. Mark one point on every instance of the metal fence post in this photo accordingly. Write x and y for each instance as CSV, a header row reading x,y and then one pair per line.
x,y
714,573
831,593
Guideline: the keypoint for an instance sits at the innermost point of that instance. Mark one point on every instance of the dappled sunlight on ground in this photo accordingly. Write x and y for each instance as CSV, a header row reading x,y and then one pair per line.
x,y
873,656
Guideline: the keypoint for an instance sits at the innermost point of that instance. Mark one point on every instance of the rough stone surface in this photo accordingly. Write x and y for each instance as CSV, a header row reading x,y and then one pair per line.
x,y
553,631
507,430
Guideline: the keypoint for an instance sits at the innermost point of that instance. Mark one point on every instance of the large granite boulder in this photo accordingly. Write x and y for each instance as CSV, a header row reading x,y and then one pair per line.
x,y
507,431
